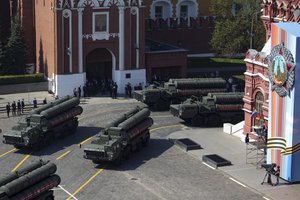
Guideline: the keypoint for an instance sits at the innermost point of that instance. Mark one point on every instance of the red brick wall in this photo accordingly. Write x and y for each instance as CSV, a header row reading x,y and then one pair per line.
x,y
27,20
194,38
45,35
174,62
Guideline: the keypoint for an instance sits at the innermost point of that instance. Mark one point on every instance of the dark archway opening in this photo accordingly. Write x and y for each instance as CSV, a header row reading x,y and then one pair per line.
x,y
98,72
99,65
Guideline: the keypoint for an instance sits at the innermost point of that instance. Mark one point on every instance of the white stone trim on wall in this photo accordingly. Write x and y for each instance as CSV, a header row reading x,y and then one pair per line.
x,y
62,3
67,13
118,3
121,38
258,74
80,50
158,2
192,9
69,82
135,11
83,3
137,76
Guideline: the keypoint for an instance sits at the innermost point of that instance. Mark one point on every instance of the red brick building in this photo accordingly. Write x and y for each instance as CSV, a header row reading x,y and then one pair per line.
x,y
72,41
256,75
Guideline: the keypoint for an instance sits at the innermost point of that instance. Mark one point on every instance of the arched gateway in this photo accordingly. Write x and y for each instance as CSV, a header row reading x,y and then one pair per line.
x,y
98,40
99,65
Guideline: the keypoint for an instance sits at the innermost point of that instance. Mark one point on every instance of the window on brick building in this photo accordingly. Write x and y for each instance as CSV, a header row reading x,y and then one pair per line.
x,y
183,11
259,100
100,22
158,12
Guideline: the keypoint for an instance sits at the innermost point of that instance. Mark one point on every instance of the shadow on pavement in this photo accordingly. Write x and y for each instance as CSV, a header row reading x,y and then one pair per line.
x,y
155,148
58,144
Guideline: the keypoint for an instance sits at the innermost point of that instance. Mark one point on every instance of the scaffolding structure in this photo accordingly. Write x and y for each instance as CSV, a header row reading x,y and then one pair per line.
x,y
256,148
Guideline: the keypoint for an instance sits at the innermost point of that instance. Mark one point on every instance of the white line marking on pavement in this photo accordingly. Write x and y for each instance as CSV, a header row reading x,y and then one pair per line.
x,y
67,192
238,182
266,198
208,165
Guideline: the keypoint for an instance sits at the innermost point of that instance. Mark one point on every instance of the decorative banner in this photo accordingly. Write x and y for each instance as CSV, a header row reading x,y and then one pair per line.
x,y
281,70
280,143
283,145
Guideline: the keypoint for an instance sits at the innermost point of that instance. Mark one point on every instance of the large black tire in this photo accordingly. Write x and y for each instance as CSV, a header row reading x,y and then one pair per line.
x,y
118,161
126,153
146,140
96,161
197,120
214,120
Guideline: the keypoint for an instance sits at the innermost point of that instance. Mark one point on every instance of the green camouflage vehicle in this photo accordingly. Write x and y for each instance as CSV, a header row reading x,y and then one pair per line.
x,y
33,182
213,109
177,90
127,133
43,125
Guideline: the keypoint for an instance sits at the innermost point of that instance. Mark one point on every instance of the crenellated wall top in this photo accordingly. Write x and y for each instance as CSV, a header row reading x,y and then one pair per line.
x,y
68,4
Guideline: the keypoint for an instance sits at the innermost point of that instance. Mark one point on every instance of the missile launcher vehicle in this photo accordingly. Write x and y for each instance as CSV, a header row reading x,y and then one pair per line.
x,y
213,109
127,133
35,182
46,123
177,90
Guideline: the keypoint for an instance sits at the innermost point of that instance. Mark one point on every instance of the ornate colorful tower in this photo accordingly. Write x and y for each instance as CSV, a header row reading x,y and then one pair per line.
x,y
284,96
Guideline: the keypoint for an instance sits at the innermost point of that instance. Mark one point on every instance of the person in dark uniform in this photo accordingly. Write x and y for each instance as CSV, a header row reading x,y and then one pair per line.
x,y
113,89
8,109
247,138
84,91
277,174
14,107
45,101
19,107
22,105
34,103
129,90
74,92
79,91
116,90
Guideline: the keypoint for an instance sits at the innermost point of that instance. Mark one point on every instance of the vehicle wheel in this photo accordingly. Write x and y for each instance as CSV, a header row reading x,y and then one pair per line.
x,y
50,197
146,140
118,161
96,161
126,153
197,120
214,120
18,147
139,145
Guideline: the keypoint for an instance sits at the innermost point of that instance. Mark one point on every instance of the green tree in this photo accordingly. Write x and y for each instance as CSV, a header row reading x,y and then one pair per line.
x,y
2,58
16,49
232,33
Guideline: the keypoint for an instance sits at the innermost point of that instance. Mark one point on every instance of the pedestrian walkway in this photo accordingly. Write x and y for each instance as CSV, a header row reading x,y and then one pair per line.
x,y
214,141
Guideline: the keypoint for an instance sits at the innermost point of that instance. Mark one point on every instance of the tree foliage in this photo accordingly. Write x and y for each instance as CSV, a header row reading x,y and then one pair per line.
x,y
15,49
232,33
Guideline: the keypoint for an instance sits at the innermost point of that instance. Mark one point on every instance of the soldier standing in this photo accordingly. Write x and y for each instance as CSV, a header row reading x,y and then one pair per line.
x,y
22,105
8,109
34,103
79,91
277,174
19,107
116,90
13,105
129,90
